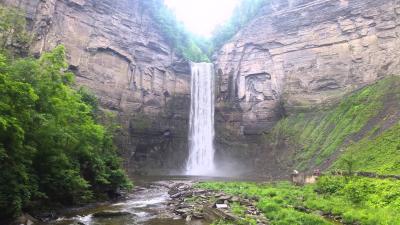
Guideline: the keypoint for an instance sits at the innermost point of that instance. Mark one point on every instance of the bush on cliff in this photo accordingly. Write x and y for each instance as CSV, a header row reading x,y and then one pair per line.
x,y
192,47
243,13
14,39
177,36
51,148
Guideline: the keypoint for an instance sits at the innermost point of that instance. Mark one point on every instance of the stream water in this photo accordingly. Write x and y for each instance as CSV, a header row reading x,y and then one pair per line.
x,y
146,205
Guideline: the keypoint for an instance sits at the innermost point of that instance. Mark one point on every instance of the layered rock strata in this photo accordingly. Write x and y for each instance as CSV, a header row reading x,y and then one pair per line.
x,y
298,54
117,51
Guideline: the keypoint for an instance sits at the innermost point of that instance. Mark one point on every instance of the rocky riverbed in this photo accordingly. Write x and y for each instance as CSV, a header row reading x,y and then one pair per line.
x,y
160,202
147,204
191,203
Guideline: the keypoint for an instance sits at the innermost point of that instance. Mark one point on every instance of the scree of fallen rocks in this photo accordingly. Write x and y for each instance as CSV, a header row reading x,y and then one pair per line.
x,y
193,203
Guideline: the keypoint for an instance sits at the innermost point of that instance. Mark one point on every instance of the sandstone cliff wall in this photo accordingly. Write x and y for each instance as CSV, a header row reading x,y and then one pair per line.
x,y
298,54
118,51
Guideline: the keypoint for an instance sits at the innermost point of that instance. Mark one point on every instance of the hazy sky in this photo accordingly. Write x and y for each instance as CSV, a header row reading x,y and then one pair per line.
x,y
202,16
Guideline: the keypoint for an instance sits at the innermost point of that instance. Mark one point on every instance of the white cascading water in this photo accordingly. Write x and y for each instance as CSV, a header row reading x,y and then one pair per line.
x,y
201,125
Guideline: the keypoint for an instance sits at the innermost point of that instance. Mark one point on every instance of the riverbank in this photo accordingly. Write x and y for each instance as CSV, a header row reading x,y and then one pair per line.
x,y
158,200
332,200
191,202
146,204
205,201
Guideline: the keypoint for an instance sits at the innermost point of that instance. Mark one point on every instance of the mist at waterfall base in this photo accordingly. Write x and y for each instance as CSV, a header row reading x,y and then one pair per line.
x,y
200,161
203,160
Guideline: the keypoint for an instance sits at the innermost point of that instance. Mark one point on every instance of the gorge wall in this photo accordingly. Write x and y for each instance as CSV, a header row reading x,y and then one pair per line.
x,y
297,56
118,51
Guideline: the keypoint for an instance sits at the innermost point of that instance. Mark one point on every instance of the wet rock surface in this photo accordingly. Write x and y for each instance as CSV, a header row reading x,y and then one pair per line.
x,y
172,201
147,204
190,202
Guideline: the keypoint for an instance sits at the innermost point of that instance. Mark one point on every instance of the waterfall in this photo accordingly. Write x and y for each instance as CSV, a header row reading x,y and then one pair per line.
x,y
201,125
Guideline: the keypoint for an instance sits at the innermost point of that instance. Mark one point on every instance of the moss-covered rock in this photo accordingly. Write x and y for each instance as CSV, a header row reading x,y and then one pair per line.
x,y
363,129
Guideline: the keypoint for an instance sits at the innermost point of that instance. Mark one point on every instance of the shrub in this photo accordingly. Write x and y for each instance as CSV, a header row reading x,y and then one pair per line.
x,y
52,150
177,36
329,184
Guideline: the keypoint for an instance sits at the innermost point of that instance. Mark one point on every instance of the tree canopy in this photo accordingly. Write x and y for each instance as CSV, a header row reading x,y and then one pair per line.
x,y
243,13
176,34
194,48
51,147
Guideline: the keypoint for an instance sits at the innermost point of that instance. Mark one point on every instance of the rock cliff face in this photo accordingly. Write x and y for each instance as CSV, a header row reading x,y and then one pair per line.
x,y
117,50
298,54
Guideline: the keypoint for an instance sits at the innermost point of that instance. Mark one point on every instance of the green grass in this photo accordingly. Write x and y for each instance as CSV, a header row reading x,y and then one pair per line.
x,y
316,136
245,221
238,209
356,200
379,154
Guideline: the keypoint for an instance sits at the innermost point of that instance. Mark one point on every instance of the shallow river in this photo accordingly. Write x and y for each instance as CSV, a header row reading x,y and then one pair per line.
x,y
146,205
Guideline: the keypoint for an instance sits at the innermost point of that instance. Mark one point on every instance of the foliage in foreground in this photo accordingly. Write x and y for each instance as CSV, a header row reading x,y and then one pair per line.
x,y
359,126
51,148
354,200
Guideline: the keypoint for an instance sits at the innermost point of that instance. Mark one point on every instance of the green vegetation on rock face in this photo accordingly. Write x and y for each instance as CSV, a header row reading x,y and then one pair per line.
x,y
244,12
379,154
13,37
358,126
194,48
183,42
352,200
51,148
140,123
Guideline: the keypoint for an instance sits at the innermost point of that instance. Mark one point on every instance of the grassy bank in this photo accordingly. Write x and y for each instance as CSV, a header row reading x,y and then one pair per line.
x,y
361,132
349,200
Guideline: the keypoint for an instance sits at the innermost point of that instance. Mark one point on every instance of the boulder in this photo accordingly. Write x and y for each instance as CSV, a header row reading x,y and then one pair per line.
x,y
25,219
235,199
183,211
178,188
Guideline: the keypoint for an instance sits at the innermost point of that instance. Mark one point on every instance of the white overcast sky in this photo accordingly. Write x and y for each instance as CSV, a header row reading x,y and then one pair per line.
x,y
202,16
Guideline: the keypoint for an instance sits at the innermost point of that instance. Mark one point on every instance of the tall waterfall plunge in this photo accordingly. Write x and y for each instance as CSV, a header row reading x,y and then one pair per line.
x,y
201,126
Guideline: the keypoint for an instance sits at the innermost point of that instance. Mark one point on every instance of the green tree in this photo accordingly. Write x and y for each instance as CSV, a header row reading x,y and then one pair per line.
x,y
177,36
243,13
16,113
51,147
